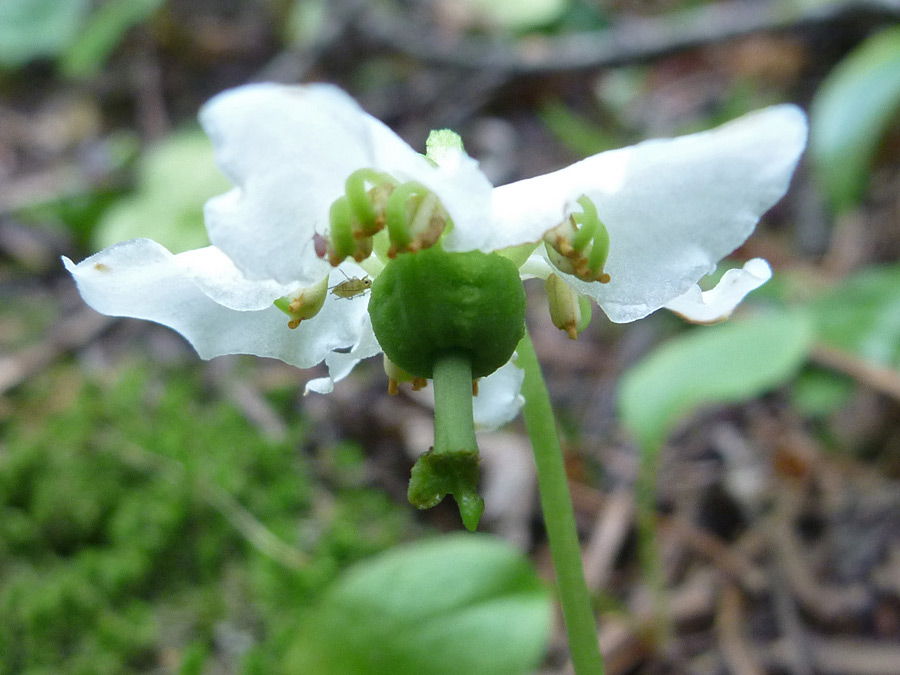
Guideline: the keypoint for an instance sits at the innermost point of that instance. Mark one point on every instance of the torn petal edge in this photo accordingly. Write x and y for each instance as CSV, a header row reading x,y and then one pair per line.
x,y
717,304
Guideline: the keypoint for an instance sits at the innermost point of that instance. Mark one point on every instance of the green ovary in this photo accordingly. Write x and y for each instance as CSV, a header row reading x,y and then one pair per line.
x,y
426,304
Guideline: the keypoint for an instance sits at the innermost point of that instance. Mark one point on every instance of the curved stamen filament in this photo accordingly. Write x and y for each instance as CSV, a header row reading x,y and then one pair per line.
x,y
580,244
355,187
599,253
588,220
341,234
395,213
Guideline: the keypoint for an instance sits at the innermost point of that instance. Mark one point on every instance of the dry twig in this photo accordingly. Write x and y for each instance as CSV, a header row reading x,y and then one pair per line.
x,y
634,41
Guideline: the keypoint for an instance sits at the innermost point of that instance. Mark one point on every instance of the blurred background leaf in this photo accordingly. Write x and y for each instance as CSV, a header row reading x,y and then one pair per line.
x,y
174,180
31,29
519,15
105,28
727,363
862,315
458,604
853,108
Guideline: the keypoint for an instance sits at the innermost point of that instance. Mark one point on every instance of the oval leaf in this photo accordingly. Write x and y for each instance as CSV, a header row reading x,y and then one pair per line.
x,y
458,604
722,364
850,113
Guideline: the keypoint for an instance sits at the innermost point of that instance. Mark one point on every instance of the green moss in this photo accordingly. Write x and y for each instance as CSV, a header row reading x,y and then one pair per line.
x,y
112,557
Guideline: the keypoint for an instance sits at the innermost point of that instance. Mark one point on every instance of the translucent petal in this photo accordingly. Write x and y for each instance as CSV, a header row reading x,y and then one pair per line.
x,y
216,275
718,303
289,150
141,279
673,207
499,397
340,364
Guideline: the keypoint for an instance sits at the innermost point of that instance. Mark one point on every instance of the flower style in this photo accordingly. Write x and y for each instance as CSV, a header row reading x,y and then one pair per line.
x,y
668,211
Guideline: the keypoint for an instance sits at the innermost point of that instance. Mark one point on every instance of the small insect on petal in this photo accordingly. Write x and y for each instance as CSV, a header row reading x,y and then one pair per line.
x,y
352,287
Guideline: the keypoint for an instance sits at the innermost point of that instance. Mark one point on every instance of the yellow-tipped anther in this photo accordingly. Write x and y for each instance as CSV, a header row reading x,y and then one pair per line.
x,y
568,311
580,244
396,375
304,304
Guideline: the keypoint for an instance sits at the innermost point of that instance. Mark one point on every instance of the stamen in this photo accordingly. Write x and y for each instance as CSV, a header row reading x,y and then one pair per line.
x,y
422,218
588,221
304,304
355,187
580,244
395,214
599,253
341,243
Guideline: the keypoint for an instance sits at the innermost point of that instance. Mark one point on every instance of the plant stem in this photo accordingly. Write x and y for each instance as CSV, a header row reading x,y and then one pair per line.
x,y
451,467
454,429
559,517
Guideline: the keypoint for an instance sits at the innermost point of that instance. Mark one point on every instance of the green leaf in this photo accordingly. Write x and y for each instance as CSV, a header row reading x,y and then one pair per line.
x,y
457,604
175,179
818,392
520,15
37,28
863,315
579,135
850,114
720,364
106,28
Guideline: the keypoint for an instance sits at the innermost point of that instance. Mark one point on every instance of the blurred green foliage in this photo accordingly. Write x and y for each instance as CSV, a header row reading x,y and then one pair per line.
x,y
850,114
728,363
30,29
102,32
113,558
451,605
519,15
862,315
736,361
174,179
84,39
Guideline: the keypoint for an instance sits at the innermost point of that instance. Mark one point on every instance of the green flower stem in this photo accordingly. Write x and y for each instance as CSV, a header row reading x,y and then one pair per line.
x,y
454,429
451,467
559,517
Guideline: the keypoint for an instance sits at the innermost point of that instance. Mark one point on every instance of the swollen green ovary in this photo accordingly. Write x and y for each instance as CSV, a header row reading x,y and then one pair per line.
x,y
433,302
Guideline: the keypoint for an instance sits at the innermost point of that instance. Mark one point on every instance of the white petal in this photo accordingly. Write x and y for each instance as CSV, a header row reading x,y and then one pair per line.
x,y
499,397
289,150
718,303
340,364
673,207
216,275
141,279
537,266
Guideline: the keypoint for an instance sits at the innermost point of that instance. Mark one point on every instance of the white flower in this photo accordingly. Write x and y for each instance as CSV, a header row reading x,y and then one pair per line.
x,y
672,208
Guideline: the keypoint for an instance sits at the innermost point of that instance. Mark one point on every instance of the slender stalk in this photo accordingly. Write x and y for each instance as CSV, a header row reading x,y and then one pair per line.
x,y
451,467
559,517
454,429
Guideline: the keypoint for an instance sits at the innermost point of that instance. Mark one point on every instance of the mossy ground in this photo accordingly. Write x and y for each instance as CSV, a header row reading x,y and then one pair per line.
x,y
115,559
